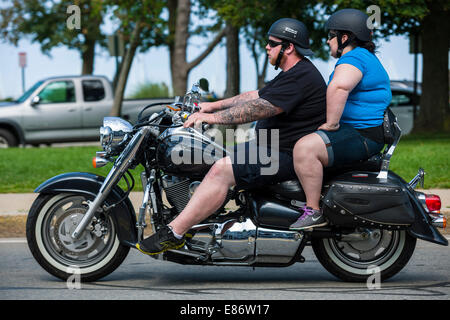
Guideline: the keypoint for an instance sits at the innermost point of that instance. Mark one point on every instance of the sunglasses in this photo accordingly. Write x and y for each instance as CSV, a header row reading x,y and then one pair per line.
x,y
331,35
273,43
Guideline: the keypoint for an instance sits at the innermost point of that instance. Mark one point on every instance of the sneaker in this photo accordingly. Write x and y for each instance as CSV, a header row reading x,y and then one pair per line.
x,y
310,218
159,242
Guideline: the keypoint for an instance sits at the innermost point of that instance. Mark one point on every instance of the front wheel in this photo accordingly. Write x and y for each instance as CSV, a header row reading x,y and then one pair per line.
x,y
356,257
51,221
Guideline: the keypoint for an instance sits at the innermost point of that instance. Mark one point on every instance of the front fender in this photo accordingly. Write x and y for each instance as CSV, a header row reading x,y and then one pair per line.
x,y
89,184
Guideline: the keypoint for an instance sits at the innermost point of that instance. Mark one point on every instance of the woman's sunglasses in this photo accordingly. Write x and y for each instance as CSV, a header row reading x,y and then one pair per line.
x,y
331,35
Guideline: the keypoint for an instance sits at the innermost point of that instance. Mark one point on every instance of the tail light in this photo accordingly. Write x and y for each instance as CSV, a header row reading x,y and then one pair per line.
x,y
433,203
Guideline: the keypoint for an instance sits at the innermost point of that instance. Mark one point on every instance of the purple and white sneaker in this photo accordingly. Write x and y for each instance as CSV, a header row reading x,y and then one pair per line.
x,y
310,218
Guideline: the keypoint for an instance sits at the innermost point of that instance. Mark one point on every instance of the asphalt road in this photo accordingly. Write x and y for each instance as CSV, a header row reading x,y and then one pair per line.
x,y
427,276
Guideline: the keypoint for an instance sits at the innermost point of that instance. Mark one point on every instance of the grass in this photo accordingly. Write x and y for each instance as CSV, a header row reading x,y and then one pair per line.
x,y
150,90
24,169
431,152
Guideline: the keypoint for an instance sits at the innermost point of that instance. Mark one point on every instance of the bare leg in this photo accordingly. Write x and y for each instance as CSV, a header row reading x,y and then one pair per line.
x,y
310,156
208,197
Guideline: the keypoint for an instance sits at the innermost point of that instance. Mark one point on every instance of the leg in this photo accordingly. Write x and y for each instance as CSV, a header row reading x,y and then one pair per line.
x,y
310,156
208,197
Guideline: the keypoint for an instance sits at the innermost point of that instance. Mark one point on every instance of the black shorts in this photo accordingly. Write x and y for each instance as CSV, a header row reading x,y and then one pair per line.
x,y
257,166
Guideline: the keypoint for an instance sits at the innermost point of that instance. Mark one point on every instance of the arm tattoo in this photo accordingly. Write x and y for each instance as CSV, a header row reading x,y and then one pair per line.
x,y
247,111
236,100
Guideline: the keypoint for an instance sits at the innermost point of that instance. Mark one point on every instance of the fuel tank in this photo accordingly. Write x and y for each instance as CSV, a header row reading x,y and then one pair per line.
x,y
188,152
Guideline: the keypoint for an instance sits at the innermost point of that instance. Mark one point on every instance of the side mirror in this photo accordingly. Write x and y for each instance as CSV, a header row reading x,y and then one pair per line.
x,y
204,84
35,100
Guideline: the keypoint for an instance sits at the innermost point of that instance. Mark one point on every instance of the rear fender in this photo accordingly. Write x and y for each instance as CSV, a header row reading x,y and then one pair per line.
x,y
422,227
89,184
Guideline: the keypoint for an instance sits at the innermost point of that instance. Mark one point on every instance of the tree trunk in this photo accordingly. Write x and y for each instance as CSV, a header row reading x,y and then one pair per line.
x,y
179,64
180,68
434,103
91,34
233,72
172,6
87,56
262,75
125,70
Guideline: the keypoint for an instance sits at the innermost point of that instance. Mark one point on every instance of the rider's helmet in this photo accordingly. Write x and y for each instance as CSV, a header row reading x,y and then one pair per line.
x,y
351,21
291,31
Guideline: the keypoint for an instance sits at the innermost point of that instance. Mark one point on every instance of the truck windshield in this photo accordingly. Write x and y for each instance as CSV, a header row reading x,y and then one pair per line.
x,y
29,92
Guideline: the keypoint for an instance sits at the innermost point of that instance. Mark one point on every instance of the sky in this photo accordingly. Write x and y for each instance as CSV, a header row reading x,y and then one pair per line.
x,y
153,65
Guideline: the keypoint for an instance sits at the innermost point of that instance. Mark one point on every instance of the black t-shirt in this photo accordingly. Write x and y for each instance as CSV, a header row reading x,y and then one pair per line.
x,y
301,93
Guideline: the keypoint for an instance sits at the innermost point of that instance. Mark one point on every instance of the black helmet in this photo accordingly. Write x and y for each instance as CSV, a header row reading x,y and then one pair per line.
x,y
293,31
351,20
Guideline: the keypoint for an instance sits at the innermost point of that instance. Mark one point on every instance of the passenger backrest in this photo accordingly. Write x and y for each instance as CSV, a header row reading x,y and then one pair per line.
x,y
392,134
390,126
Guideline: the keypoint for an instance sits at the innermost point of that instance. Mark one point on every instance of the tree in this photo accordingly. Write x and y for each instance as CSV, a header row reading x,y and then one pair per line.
x,y
255,17
233,64
46,22
431,21
177,41
142,26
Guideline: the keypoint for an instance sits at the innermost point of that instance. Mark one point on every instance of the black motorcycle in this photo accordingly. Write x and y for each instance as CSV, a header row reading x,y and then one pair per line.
x,y
86,222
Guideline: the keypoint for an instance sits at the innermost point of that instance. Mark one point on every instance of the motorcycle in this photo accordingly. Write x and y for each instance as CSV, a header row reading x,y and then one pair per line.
x,y
86,222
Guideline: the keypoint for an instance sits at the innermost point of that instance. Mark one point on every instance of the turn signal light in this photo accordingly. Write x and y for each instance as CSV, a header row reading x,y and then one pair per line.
x,y
99,161
433,203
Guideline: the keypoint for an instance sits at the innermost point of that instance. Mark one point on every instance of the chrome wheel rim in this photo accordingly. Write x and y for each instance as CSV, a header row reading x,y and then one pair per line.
x,y
60,221
380,249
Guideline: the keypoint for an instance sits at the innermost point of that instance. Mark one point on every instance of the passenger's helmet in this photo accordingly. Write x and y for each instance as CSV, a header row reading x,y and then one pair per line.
x,y
293,31
351,20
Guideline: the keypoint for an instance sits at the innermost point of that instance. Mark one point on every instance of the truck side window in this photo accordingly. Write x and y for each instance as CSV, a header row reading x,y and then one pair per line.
x,y
57,92
93,90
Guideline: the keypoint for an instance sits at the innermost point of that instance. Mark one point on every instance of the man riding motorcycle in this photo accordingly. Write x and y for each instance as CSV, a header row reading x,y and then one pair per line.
x,y
292,103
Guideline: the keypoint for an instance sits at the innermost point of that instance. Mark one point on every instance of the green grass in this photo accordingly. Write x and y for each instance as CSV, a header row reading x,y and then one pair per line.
x,y
150,90
23,169
431,152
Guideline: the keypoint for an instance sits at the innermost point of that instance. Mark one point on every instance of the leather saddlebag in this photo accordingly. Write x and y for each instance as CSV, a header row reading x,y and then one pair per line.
x,y
360,199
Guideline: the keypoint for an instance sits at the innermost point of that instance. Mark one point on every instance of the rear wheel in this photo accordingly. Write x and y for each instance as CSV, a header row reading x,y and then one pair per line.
x,y
50,223
356,257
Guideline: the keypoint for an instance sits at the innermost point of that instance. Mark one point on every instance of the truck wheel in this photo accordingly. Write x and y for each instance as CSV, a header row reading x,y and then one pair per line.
x,y
7,139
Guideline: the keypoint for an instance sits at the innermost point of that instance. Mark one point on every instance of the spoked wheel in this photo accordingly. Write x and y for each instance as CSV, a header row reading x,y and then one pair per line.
x,y
50,223
357,256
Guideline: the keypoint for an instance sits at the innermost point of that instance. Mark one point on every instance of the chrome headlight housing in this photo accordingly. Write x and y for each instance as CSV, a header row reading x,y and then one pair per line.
x,y
114,134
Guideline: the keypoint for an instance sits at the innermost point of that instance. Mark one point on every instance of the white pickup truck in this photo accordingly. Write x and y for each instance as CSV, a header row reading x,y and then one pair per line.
x,y
64,109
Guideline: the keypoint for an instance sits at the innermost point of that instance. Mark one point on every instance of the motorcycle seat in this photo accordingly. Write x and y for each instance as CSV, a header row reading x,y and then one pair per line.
x,y
292,189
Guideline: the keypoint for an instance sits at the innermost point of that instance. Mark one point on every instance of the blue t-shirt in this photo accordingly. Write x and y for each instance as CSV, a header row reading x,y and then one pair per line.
x,y
367,101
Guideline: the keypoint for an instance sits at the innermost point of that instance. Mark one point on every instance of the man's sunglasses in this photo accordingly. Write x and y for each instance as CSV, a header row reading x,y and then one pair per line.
x,y
331,35
273,43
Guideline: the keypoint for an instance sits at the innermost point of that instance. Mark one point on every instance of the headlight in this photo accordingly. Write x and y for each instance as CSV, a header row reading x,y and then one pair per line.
x,y
113,134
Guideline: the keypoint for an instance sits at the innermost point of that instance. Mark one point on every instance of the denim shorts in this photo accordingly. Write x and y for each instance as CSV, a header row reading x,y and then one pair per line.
x,y
258,166
346,145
